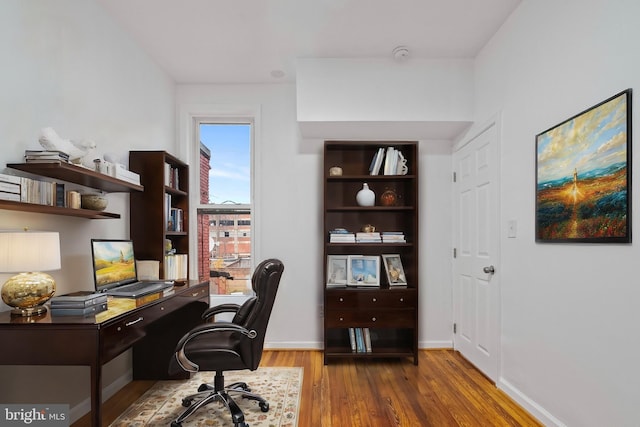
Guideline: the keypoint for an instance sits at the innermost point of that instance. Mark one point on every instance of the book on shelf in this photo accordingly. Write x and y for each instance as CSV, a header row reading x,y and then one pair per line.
x,y
45,156
376,162
393,237
352,339
367,340
86,311
12,197
342,238
175,267
371,237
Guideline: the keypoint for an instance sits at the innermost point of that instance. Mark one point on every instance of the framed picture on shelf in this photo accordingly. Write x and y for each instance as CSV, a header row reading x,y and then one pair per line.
x,y
583,176
393,267
336,270
363,270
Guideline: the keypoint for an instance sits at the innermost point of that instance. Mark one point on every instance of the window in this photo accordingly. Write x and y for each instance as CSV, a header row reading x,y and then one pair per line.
x,y
224,211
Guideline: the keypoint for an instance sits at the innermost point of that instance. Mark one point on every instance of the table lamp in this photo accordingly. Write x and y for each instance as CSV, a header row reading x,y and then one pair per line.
x,y
29,253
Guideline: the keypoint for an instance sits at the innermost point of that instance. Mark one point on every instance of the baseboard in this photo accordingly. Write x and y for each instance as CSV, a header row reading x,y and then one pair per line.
x,y
529,405
317,345
84,407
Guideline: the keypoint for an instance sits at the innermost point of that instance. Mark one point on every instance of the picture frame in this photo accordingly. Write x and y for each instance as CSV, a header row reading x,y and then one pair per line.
x,y
583,176
363,270
394,270
336,270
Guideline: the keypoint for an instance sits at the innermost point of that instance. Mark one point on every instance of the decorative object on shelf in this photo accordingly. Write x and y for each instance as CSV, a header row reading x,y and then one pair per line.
x,y
29,253
363,270
366,196
336,270
335,171
389,198
368,228
76,150
94,202
393,267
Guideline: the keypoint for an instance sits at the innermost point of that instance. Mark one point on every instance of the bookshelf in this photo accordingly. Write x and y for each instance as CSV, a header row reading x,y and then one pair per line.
x,y
74,174
387,312
161,212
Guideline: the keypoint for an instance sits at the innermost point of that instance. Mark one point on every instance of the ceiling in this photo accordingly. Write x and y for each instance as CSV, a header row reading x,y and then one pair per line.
x,y
258,41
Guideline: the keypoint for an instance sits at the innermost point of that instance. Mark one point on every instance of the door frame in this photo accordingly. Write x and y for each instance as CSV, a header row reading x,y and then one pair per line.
x,y
473,133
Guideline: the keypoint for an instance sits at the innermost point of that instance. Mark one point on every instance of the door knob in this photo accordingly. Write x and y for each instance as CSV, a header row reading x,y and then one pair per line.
x,y
489,270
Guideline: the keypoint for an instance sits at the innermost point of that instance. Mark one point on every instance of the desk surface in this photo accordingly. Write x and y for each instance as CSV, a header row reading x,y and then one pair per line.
x,y
151,329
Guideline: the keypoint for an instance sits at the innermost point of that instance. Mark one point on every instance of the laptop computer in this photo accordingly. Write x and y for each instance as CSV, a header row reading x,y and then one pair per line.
x,y
114,270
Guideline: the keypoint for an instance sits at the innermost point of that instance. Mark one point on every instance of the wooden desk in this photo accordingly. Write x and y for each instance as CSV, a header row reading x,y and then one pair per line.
x,y
152,329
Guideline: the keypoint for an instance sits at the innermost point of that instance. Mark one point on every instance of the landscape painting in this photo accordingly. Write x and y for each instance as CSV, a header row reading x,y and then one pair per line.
x,y
583,170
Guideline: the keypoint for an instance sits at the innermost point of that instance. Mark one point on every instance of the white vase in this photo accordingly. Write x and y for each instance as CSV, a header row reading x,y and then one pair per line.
x,y
365,197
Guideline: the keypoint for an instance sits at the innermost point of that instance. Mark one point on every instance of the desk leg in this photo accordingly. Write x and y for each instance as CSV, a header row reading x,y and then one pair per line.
x,y
96,394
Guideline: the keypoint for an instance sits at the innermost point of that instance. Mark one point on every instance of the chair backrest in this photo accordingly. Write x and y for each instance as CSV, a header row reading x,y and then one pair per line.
x,y
255,313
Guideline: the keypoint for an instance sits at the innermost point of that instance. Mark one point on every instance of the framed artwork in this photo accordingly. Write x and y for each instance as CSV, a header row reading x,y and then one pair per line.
x,y
336,270
395,272
363,270
583,176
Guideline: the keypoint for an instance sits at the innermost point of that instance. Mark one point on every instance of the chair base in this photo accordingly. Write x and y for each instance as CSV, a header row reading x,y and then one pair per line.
x,y
208,393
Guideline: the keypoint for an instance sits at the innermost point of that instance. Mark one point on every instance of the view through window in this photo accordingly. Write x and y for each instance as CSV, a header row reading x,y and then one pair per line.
x,y
224,212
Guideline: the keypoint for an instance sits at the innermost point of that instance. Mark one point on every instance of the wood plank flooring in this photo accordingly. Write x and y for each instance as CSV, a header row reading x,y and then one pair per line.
x,y
443,390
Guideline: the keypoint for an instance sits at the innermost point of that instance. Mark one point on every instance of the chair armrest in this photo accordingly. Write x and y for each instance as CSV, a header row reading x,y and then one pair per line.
x,y
206,328
222,308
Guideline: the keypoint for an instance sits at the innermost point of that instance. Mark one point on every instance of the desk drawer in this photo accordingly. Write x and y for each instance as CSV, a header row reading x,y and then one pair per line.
x,y
122,334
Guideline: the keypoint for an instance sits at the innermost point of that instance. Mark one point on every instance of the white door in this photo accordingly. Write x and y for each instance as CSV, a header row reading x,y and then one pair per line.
x,y
476,242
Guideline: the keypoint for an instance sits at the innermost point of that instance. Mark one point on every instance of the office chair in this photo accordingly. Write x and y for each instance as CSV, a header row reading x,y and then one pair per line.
x,y
229,346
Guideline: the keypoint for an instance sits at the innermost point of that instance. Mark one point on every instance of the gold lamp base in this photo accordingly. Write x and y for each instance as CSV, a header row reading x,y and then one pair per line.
x,y
27,292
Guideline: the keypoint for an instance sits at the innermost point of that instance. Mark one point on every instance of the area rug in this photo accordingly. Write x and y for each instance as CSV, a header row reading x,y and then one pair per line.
x,y
162,403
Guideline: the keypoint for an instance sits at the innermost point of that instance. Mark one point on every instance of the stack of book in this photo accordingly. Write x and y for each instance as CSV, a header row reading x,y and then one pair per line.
x,y
78,304
341,235
10,187
360,340
393,237
175,267
372,237
45,156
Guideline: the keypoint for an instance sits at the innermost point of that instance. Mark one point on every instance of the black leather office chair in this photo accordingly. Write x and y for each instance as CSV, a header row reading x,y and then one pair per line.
x,y
229,346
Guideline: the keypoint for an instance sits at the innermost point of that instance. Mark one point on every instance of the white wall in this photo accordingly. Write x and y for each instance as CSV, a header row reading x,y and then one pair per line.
x,y
569,311
68,66
289,214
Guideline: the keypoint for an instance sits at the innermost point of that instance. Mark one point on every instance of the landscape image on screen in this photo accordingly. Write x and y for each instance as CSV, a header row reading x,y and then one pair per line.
x,y
113,261
581,188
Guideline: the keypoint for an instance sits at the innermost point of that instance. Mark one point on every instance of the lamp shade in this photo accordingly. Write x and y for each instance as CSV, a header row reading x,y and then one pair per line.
x,y
26,251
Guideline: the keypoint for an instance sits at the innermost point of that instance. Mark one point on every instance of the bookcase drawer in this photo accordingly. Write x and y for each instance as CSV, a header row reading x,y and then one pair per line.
x,y
373,299
370,318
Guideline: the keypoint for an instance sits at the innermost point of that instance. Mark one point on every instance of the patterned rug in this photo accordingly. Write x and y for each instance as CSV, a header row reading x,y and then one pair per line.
x,y
162,403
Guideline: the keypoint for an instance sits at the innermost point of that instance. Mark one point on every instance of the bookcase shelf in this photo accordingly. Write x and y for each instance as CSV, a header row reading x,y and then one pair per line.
x,y
389,312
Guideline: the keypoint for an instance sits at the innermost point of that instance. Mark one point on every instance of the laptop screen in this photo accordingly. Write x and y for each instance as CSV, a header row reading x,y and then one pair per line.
x,y
113,263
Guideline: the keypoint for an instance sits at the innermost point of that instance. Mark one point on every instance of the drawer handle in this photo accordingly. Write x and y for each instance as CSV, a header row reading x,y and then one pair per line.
x,y
340,299
133,322
341,319
373,299
161,308
195,294
401,299
373,319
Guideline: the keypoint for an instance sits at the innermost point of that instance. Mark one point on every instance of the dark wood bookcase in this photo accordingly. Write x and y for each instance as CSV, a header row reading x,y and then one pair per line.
x,y
166,185
389,312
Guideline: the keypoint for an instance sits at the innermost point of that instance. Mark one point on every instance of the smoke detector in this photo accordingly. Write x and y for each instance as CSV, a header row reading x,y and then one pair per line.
x,y
400,53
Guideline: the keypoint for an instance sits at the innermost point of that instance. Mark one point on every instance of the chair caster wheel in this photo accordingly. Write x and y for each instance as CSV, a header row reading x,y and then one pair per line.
x,y
186,402
203,387
175,424
264,406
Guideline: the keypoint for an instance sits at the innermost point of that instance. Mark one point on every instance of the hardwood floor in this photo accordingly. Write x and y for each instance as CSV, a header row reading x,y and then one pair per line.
x,y
443,390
